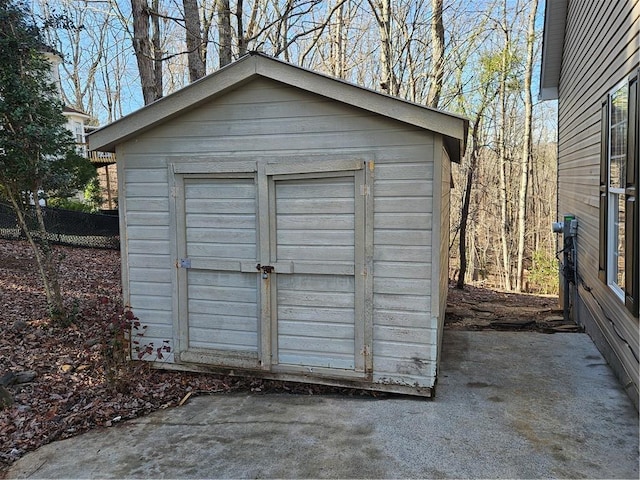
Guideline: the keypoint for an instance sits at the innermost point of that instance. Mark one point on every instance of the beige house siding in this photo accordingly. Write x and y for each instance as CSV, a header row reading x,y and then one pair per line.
x,y
601,49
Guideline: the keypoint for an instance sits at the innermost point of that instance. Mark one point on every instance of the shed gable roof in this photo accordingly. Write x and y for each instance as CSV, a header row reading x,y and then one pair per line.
x,y
452,127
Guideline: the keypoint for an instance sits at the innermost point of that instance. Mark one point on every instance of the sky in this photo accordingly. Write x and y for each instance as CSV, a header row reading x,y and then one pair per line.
x,y
119,60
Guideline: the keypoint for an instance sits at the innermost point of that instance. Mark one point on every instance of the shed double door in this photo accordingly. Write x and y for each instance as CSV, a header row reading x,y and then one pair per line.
x,y
271,266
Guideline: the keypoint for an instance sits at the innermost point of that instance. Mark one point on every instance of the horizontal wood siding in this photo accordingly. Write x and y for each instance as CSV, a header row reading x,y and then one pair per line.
x,y
245,122
148,261
404,334
266,119
602,48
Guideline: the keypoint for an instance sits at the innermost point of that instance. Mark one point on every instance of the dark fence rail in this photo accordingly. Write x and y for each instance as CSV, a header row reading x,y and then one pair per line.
x,y
66,227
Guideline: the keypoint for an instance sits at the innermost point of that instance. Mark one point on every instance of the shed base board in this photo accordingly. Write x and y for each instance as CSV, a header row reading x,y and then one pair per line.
x,y
427,392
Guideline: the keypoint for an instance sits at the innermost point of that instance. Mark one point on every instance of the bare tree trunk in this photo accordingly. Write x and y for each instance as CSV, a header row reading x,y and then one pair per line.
x,y
502,186
224,31
157,47
282,32
194,41
143,50
388,80
437,56
387,48
464,220
466,202
242,43
338,59
504,229
43,255
526,145
244,37
473,264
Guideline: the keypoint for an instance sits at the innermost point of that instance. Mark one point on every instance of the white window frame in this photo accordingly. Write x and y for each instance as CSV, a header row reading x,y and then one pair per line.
x,y
614,193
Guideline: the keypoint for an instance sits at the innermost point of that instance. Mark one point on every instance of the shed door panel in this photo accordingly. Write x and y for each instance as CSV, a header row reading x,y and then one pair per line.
x,y
222,288
272,267
315,238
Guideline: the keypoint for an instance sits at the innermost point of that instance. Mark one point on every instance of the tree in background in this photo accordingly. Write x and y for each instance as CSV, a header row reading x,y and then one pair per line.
x,y
146,46
470,58
437,62
37,152
525,158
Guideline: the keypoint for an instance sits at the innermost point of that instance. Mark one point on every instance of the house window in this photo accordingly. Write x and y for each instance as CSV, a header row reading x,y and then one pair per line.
x,y
619,254
617,162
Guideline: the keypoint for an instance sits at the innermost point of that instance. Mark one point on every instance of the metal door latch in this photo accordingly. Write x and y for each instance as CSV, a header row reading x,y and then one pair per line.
x,y
266,270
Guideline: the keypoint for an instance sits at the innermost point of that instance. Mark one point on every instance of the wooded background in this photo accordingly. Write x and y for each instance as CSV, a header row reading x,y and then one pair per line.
x,y
478,59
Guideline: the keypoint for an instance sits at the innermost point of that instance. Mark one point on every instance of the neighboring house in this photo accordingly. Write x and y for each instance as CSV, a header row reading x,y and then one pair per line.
x,y
590,63
105,163
76,121
284,223
77,124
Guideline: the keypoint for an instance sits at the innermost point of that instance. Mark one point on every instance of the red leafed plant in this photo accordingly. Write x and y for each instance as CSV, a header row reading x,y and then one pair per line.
x,y
135,330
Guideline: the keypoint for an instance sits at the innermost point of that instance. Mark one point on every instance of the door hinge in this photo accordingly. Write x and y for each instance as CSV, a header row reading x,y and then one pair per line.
x,y
184,263
364,190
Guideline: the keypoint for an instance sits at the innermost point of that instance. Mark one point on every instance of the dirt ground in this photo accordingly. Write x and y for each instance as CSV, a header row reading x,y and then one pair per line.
x,y
477,308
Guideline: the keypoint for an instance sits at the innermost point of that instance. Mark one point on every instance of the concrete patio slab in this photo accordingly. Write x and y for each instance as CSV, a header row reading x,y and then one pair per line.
x,y
508,405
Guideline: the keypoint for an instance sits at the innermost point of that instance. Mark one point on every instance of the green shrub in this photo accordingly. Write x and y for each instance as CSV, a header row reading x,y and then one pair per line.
x,y
93,195
69,204
543,276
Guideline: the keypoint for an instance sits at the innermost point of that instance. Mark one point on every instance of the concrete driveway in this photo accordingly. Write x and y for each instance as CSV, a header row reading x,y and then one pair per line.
x,y
508,405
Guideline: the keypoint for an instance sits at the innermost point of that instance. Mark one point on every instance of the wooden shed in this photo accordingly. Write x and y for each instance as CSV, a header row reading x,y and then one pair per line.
x,y
281,223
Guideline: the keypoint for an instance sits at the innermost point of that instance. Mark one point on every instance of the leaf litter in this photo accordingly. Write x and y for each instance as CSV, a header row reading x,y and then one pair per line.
x,y
78,382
